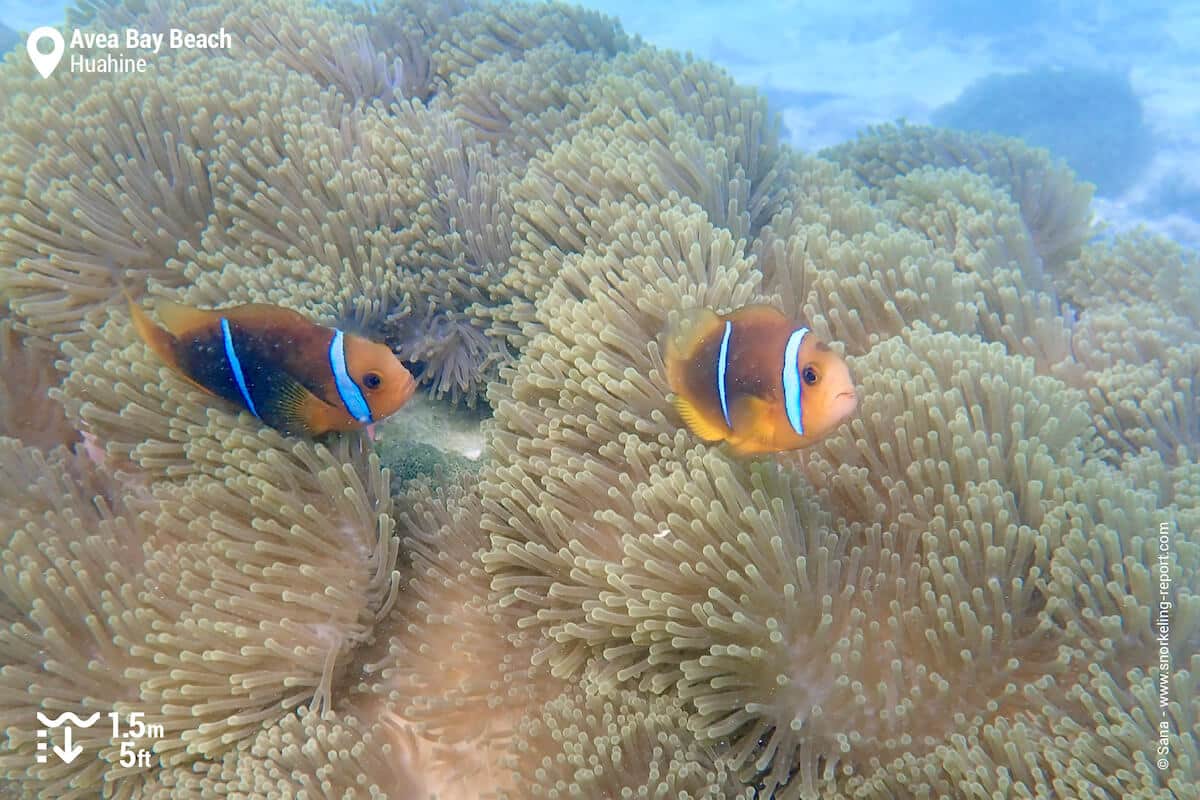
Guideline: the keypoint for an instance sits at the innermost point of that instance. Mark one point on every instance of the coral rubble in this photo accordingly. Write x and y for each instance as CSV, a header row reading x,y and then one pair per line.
x,y
957,594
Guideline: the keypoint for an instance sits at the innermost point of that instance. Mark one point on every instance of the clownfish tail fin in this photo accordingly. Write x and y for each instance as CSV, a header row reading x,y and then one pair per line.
x,y
156,338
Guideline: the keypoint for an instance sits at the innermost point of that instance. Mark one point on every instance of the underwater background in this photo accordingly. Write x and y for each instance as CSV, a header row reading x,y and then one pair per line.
x,y
538,582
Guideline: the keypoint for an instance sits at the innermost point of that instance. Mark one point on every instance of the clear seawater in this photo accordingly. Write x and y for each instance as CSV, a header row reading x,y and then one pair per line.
x,y
830,70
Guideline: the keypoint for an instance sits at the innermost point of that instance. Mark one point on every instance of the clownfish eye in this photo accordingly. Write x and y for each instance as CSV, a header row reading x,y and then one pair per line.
x,y
810,375
372,380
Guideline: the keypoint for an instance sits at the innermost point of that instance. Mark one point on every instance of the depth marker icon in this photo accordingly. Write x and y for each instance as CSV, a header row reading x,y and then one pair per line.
x,y
69,750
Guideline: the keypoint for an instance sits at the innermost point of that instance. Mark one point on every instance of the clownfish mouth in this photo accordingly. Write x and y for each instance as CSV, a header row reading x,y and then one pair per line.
x,y
845,403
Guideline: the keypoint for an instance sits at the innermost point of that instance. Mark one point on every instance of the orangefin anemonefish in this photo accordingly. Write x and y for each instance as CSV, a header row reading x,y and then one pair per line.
x,y
755,379
294,375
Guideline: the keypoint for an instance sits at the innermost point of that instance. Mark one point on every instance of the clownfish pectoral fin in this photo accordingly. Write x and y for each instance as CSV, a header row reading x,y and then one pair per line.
x,y
697,424
160,341
749,412
284,403
754,420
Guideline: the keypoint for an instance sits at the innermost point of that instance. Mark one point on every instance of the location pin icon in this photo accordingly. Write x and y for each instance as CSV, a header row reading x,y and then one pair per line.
x,y
45,62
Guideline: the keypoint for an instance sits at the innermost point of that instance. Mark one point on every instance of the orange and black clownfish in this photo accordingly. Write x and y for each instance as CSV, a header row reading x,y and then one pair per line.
x,y
755,379
294,375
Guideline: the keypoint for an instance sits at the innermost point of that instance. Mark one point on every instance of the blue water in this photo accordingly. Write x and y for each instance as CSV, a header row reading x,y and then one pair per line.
x,y
830,70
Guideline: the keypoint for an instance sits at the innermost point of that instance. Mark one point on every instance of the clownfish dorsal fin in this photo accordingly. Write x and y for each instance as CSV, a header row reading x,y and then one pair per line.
x,y
697,424
262,315
688,330
761,312
160,341
180,320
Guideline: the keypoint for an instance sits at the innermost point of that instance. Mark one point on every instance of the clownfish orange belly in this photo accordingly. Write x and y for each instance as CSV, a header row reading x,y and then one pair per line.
x,y
756,380
294,375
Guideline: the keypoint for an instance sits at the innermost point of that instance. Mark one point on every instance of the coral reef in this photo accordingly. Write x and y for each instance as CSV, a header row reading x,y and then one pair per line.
x,y
956,594
1054,207
1048,107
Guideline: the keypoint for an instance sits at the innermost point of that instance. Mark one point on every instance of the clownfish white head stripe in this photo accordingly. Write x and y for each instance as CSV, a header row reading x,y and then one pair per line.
x,y
791,380
347,389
